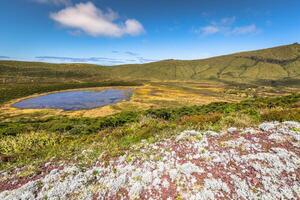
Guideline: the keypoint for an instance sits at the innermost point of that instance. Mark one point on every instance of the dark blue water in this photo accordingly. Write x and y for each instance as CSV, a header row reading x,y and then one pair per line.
x,y
76,100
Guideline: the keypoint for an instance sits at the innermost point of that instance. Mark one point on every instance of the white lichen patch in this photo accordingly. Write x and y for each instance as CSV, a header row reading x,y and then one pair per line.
x,y
252,163
188,168
188,135
232,130
278,137
268,126
236,142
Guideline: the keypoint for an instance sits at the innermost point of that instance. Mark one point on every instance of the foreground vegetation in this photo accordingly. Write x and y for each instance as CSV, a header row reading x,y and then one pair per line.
x,y
31,140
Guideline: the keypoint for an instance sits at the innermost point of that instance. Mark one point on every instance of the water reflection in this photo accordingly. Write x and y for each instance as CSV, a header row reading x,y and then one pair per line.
x,y
76,100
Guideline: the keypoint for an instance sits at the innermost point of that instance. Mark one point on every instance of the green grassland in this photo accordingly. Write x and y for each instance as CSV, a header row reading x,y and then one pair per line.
x,y
31,140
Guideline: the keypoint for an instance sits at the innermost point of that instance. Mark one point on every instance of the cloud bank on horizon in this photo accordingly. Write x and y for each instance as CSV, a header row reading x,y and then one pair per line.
x,y
4,57
135,58
93,21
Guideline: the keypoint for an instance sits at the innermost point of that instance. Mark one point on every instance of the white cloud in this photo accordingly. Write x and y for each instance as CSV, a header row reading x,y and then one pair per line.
x,y
208,30
226,27
56,2
245,30
227,21
88,18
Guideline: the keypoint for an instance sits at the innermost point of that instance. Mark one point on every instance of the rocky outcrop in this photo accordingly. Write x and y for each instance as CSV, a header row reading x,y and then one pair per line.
x,y
251,163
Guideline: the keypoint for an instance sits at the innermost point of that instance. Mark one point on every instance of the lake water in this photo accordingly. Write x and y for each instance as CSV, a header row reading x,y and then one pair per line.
x,y
76,100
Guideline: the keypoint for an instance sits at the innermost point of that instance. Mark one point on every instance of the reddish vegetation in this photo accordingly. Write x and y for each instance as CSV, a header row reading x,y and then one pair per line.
x,y
242,164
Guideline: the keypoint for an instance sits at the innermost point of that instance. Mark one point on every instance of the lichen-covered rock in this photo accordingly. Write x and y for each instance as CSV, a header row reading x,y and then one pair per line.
x,y
267,126
232,130
252,163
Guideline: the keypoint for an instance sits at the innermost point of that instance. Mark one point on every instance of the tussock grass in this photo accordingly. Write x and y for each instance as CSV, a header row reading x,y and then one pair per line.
x,y
281,115
30,142
240,120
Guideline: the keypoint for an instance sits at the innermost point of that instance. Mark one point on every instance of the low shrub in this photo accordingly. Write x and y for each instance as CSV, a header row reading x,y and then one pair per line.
x,y
281,115
12,129
176,113
201,119
68,125
28,143
237,120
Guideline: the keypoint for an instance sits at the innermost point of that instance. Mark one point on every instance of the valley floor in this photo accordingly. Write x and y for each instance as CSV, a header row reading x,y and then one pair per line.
x,y
249,163
151,95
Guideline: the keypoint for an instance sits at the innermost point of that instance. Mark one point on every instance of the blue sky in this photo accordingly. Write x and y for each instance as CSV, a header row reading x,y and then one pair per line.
x,y
135,31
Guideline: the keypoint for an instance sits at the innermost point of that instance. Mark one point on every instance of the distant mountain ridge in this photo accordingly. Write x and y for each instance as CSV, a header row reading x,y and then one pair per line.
x,y
272,64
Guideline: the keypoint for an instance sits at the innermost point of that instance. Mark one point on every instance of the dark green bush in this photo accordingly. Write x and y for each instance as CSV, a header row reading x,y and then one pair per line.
x,y
12,129
68,125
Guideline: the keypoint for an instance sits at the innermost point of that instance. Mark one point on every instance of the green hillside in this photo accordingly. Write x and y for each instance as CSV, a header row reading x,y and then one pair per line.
x,y
268,64
274,64
17,71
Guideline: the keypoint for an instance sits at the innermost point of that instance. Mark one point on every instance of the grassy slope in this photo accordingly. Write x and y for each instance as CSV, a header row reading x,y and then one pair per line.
x,y
15,71
283,62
